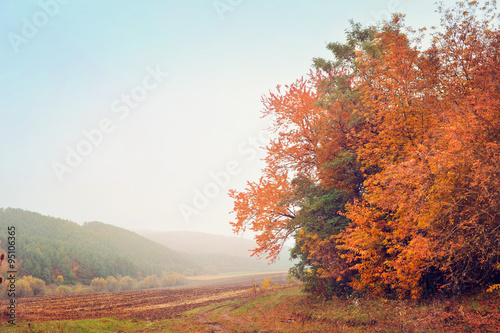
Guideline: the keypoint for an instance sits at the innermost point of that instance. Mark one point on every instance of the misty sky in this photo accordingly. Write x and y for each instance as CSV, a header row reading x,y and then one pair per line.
x,y
133,112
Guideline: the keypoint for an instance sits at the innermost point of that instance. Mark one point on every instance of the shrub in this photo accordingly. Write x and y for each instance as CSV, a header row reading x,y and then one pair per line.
x,y
99,284
37,285
63,290
172,279
59,280
113,284
29,286
127,283
23,288
266,284
151,281
495,288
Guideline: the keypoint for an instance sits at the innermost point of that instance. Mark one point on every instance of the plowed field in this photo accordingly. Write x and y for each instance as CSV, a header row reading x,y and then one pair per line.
x,y
144,304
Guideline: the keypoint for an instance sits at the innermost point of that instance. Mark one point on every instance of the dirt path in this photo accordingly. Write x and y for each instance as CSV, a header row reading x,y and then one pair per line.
x,y
205,318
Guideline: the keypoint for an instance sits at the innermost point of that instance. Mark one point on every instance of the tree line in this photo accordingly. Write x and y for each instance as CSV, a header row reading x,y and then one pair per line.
x,y
28,285
50,249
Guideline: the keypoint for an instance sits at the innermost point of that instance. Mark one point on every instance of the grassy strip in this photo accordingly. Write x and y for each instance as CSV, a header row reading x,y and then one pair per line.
x,y
84,325
102,325
290,310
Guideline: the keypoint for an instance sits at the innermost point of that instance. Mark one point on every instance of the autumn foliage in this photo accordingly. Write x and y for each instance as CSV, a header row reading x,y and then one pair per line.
x,y
385,162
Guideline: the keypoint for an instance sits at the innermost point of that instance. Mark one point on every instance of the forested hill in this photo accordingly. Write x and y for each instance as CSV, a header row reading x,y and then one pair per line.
x,y
47,247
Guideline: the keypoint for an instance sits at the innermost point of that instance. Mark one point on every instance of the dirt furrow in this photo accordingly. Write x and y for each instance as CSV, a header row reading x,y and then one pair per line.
x,y
149,305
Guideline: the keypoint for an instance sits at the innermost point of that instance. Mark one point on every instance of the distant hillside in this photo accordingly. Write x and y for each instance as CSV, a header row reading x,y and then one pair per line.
x,y
47,247
224,253
199,242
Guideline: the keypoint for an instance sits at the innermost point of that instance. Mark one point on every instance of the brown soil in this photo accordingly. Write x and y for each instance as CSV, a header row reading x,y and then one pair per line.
x,y
144,304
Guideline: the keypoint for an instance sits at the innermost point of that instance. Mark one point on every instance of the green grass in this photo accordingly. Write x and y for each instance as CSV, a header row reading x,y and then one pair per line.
x,y
86,325
184,324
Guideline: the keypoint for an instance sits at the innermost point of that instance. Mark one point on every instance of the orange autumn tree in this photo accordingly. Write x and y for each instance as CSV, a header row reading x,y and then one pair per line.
x,y
429,218
311,170
290,196
385,167
268,207
464,202
385,243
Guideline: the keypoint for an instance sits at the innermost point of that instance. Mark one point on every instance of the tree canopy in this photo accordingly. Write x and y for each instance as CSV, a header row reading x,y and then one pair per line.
x,y
385,163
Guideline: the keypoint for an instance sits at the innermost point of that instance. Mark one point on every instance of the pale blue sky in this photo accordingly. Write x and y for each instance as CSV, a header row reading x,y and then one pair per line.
x,y
66,68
